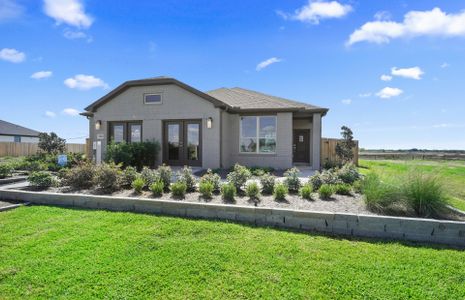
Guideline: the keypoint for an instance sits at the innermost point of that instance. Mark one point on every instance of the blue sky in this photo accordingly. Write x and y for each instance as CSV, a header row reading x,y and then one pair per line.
x,y
58,56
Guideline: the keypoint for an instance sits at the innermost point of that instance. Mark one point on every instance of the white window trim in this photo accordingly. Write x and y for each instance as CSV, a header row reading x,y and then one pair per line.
x,y
257,152
154,94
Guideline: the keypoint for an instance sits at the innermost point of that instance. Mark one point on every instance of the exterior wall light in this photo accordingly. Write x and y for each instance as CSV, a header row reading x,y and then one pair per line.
x,y
98,124
209,122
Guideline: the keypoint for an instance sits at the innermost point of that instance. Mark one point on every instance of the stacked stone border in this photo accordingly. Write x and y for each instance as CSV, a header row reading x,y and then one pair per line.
x,y
384,227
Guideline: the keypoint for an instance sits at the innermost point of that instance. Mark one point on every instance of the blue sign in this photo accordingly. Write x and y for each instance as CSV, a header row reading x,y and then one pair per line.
x,y
62,160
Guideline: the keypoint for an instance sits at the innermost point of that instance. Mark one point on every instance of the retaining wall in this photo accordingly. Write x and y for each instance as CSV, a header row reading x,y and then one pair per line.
x,y
410,229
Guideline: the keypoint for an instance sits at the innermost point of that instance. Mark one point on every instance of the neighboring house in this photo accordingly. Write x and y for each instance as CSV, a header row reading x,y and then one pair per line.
x,y
213,129
10,132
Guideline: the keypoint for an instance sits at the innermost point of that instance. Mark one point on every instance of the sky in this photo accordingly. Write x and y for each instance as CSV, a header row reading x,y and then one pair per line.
x,y
393,71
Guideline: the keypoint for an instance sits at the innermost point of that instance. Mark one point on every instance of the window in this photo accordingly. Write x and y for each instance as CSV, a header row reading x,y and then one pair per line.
x,y
152,98
130,132
258,134
17,139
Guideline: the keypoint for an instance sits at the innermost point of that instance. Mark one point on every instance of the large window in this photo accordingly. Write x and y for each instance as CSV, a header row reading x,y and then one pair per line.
x,y
130,132
258,134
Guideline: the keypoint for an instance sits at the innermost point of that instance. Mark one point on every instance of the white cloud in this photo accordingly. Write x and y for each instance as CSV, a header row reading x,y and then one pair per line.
x,y
267,63
445,65
385,77
382,15
389,92
12,55
346,101
364,95
315,11
70,12
73,35
413,73
416,23
70,112
41,74
85,82
50,114
10,9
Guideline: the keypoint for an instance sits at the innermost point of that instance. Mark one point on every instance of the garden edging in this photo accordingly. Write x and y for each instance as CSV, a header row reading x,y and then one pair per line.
x,y
385,227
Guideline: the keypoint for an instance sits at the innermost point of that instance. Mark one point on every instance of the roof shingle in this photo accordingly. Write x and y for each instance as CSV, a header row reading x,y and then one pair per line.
x,y
7,128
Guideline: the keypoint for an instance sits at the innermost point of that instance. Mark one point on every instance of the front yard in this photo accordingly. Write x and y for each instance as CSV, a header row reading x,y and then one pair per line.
x,y
49,252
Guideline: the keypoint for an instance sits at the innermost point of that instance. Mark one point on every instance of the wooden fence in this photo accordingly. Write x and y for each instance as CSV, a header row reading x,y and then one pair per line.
x,y
328,150
24,149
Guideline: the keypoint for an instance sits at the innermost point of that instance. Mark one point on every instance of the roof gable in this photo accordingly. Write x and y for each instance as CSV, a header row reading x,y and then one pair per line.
x,y
7,128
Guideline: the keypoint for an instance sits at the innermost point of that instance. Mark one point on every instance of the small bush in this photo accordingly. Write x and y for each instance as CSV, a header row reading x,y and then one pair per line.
x,y
138,184
178,189
280,191
133,154
185,176
325,177
348,173
292,180
108,177
149,176
239,176
424,194
378,195
157,188
326,191
165,173
212,178
306,191
260,171
206,189
228,191
40,179
252,190
128,176
267,181
6,170
79,177
357,186
343,189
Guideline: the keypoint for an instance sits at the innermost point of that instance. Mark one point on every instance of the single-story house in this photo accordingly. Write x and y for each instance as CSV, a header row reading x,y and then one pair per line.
x,y
208,129
10,132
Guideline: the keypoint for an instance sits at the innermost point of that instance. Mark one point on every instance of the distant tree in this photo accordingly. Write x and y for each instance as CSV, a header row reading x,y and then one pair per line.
x,y
345,148
51,143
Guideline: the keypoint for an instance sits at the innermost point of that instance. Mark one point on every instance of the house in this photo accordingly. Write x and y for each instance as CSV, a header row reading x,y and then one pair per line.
x,y
208,129
10,132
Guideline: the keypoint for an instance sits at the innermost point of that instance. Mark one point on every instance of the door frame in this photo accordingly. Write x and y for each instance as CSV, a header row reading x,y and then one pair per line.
x,y
308,133
183,139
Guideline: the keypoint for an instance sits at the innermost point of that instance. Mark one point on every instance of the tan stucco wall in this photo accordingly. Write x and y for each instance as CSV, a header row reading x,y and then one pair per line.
x,y
177,103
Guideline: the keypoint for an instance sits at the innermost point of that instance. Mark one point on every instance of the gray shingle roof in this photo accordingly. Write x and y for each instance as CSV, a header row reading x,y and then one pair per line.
x,y
7,128
243,99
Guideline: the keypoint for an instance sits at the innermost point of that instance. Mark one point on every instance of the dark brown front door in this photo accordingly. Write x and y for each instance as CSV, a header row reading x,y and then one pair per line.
x,y
301,146
182,142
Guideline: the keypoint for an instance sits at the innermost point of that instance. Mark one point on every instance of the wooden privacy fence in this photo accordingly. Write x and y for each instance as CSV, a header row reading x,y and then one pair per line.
x,y
24,149
328,150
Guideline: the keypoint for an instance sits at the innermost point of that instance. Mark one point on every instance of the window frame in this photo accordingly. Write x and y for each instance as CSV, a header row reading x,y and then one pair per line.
x,y
153,94
126,130
257,135
17,139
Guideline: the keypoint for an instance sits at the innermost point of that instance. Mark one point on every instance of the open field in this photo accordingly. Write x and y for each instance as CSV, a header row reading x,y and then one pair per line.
x,y
452,173
49,252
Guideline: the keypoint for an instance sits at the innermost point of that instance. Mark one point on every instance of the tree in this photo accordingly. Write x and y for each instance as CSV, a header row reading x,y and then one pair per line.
x,y
51,143
344,148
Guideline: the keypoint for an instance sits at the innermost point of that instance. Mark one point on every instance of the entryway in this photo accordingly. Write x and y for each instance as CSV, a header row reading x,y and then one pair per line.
x,y
182,142
301,146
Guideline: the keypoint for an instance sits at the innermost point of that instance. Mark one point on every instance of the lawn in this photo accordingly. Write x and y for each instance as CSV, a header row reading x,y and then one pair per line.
x,y
50,252
452,174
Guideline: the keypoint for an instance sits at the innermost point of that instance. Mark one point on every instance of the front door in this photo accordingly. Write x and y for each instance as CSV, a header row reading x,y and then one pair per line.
x,y
301,146
182,142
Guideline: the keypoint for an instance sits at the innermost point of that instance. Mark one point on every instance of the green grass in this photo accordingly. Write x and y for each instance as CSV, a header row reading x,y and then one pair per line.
x,y
49,252
452,174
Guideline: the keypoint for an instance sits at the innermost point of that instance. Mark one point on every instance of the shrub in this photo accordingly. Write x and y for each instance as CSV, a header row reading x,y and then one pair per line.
x,y
206,189
378,195
306,191
51,143
178,189
343,189
325,177
165,173
128,176
252,190
149,176
228,191
326,191
348,173
40,179
267,181
138,184
5,170
260,171
292,180
357,186
133,154
345,147
79,177
212,178
108,177
239,176
185,176
424,194
280,191
157,188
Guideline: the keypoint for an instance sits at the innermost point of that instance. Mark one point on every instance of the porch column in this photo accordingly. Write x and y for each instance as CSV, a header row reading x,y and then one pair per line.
x,y
316,141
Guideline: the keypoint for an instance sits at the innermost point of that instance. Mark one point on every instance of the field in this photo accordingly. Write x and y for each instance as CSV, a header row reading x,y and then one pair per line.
x,y
452,174
49,252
